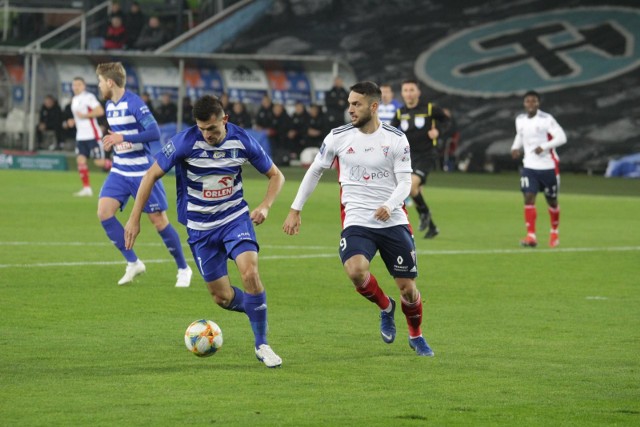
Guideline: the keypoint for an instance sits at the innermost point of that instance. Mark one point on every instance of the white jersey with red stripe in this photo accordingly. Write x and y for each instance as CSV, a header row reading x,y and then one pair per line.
x,y
543,131
86,129
367,165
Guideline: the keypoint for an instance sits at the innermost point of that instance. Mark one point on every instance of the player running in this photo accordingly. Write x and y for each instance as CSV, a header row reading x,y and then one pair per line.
x,y
208,159
133,128
375,177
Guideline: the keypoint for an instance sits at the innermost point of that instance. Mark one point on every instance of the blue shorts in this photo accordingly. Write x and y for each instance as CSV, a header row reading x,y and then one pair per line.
x,y
122,187
534,180
396,246
212,248
90,148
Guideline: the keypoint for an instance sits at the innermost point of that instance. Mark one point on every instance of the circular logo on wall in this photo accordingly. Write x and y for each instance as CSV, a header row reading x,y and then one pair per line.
x,y
546,51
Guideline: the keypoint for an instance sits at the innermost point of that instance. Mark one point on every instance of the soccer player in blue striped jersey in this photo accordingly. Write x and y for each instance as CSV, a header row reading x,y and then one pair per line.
x,y
133,129
208,160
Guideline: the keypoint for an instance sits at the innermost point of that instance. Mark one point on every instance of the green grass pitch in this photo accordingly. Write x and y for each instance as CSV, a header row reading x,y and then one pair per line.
x,y
537,337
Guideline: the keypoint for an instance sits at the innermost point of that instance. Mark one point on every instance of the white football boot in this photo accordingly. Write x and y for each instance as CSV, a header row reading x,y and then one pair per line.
x,y
184,277
133,269
85,192
265,354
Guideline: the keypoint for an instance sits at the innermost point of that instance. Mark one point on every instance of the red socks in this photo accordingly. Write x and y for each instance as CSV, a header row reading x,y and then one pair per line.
x,y
413,313
554,214
83,170
371,291
530,215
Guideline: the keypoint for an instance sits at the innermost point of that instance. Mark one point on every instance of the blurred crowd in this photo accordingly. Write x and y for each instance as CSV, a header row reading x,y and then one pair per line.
x,y
290,128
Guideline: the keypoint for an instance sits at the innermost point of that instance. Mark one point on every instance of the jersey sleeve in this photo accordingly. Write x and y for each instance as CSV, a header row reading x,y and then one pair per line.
x,y
92,101
327,154
402,156
256,154
169,155
517,141
558,137
142,113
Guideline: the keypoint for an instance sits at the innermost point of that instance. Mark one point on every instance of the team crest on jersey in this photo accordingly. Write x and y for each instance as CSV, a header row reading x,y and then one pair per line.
x,y
385,150
168,149
219,154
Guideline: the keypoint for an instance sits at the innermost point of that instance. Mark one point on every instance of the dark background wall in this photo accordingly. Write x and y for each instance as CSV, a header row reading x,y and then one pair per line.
x,y
382,40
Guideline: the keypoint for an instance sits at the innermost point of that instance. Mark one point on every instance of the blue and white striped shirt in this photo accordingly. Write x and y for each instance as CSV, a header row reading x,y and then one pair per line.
x,y
131,118
209,178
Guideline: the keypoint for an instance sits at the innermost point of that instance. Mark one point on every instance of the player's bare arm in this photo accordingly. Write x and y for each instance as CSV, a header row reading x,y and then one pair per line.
x,y
132,228
276,181
292,222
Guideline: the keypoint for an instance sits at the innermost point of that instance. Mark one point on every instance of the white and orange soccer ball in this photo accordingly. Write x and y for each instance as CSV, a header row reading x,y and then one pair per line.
x,y
203,338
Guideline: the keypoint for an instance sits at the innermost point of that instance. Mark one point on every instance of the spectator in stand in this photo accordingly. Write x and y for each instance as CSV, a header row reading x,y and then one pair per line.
x,y
240,116
146,98
299,125
224,100
116,37
335,101
317,127
187,112
152,36
264,116
134,22
167,112
281,124
115,9
68,124
50,120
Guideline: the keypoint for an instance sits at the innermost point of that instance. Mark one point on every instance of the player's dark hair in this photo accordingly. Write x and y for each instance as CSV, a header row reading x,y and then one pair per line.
x,y
410,81
80,79
532,93
207,106
368,89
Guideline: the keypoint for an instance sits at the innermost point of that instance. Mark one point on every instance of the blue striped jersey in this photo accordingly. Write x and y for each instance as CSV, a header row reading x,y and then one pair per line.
x,y
209,178
130,116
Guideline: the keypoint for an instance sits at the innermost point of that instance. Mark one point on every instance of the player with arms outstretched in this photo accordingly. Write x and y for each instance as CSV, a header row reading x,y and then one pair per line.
x,y
538,134
208,159
133,129
374,161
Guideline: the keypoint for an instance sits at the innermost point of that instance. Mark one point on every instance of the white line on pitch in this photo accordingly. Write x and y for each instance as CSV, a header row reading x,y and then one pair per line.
x,y
332,255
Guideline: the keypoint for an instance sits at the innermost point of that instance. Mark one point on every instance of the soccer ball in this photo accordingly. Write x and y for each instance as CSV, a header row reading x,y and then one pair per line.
x,y
203,338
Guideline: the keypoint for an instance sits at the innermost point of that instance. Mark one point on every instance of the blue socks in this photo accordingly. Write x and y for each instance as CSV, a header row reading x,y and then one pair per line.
x,y
237,303
171,239
256,308
115,233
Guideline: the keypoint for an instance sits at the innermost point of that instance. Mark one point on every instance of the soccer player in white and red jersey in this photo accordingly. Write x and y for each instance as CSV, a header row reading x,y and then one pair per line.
x,y
208,160
374,162
133,129
86,109
538,134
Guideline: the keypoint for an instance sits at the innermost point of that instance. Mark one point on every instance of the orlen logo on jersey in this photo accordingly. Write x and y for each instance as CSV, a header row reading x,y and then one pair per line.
x,y
219,189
